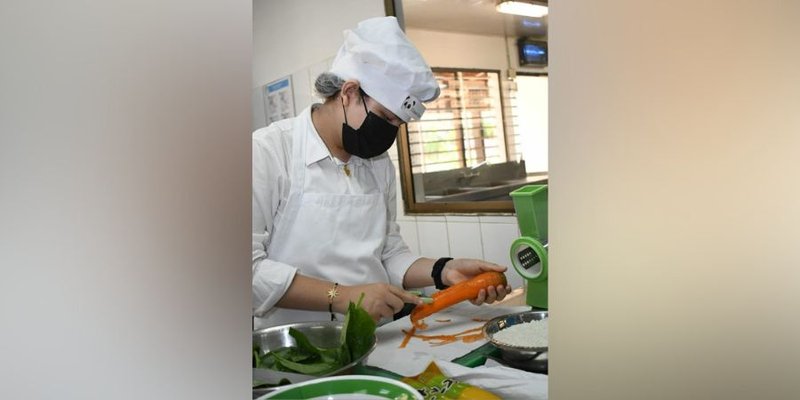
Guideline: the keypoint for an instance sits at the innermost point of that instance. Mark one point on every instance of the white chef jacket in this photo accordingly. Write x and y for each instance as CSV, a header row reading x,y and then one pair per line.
x,y
273,161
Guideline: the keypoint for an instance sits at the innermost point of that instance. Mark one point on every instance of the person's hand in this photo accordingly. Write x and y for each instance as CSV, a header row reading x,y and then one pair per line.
x,y
381,300
461,269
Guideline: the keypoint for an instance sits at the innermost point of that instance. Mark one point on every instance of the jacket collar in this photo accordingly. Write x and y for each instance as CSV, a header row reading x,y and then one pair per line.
x,y
315,147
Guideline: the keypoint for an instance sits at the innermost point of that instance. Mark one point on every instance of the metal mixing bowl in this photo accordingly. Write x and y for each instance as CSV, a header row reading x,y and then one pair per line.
x,y
321,334
528,358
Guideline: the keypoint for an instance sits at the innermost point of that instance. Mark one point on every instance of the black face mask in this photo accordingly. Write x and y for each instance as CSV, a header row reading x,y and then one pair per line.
x,y
373,138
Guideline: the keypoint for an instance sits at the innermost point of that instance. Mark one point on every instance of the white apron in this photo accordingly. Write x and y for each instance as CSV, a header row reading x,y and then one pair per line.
x,y
336,237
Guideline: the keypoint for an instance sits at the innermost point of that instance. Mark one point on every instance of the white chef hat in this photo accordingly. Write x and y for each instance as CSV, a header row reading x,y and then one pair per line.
x,y
389,68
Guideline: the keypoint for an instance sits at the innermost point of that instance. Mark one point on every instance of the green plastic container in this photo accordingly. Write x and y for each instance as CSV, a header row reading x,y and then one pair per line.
x,y
530,204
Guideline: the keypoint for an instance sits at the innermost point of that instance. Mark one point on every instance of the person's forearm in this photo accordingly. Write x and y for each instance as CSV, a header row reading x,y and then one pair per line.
x,y
419,274
307,293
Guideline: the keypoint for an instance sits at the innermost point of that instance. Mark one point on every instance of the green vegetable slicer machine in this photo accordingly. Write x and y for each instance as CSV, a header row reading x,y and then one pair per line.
x,y
529,251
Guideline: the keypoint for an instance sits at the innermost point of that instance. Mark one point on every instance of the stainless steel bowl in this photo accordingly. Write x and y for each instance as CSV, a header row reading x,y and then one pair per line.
x,y
320,334
528,358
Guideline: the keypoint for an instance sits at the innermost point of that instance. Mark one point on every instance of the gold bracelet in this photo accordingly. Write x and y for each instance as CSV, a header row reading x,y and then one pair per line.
x,y
332,293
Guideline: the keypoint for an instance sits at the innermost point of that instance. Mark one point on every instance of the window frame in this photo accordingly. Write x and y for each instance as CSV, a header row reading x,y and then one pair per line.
x,y
443,207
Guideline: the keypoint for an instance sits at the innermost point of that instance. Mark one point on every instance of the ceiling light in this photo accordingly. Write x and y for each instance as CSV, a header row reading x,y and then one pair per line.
x,y
528,8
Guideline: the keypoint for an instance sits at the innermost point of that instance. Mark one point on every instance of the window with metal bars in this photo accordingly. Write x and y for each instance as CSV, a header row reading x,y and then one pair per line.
x,y
466,126
466,155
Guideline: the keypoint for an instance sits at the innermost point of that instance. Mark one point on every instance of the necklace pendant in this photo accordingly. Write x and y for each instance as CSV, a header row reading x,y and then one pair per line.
x,y
346,170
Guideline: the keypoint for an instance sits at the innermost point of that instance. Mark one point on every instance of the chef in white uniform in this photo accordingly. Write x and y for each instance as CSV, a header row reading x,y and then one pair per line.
x,y
324,229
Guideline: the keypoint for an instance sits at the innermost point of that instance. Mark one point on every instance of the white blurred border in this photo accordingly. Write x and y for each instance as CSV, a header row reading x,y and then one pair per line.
x,y
125,199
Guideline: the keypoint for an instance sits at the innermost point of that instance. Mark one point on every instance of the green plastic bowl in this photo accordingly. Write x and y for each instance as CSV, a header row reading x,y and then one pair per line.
x,y
347,387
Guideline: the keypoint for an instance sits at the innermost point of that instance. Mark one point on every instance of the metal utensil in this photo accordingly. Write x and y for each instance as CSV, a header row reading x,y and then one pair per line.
x,y
324,334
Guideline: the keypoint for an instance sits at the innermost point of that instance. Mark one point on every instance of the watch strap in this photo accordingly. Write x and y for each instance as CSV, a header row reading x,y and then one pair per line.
x,y
436,272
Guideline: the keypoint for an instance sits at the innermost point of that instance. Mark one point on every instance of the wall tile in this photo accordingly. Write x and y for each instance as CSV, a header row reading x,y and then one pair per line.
x,y
462,218
408,230
497,239
431,218
465,239
498,219
433,240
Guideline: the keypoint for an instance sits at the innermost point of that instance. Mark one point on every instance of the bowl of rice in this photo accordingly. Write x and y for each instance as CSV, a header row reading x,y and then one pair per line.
x,y
521,338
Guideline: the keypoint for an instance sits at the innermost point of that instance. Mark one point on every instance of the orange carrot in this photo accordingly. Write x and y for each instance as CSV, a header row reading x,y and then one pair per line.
x,y
457,293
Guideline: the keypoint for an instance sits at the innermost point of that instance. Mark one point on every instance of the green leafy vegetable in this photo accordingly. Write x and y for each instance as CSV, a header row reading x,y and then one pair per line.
x,y
315,367
303,344
357,337
358,330
256,356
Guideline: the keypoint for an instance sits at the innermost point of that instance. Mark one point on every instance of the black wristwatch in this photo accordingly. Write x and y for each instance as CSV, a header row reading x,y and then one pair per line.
x,y
436,272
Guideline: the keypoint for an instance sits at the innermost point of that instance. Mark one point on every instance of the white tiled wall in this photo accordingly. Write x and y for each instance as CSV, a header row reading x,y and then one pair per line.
x,y
434,242
464,236
408,229
497,239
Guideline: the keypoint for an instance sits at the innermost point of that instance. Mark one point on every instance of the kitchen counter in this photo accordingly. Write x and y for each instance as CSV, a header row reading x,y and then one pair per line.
x,y
460,361
461,324
464,361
